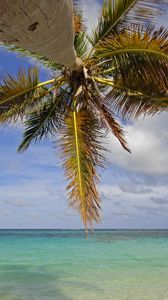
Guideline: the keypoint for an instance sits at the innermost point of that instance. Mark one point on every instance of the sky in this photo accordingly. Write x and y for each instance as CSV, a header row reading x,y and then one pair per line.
x,y
133,188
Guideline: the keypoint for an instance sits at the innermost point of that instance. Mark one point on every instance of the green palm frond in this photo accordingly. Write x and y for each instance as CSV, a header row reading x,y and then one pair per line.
x,y
45,120
81,44
116,15
34,56
81,153
111,14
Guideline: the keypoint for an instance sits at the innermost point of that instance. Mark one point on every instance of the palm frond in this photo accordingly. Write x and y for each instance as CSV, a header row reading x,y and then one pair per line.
x,y
13,88
131,103
116,15
80,41
45,120
145,44
19,111
111,14
36,57
16,92
81,44
138,60
81,153
20,93
78,19
131,106
107,115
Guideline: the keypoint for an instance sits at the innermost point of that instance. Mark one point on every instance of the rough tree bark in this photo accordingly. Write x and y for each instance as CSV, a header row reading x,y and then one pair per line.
x,y
41,26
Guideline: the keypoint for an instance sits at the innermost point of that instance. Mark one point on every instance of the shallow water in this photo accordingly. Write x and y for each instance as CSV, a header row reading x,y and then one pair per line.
x,y
63,265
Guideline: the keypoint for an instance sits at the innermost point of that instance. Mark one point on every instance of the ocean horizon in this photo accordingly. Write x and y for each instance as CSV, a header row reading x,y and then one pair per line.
x,y
61,264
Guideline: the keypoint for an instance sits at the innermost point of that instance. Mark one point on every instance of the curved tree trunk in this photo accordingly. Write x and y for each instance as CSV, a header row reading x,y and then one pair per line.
x,y
41,26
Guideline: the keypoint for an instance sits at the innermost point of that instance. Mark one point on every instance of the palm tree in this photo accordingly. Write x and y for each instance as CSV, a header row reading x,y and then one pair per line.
x,y
124,75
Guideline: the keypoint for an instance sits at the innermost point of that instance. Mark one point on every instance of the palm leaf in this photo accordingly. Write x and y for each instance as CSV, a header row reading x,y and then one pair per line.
x,y
20,111
78,19
131,106
131,102
148,43
36,57
81,153
137,58
12,87
45,120
112,12
20,93
81,44
107,115
17,92
80,41
117,14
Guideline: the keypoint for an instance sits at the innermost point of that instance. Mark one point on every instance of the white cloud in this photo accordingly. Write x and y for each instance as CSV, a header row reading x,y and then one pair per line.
x,y
91,11
4,211
19,202
148,141
134,188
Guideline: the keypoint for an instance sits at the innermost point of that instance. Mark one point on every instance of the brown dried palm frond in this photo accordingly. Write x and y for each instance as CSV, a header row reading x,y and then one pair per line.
x,y
135,57
81,154
107,115
133,102
137,41
79,24
132,106
13,89
18,93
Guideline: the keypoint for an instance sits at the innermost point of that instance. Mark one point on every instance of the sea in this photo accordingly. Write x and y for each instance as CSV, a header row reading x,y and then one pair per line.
x,y
67,265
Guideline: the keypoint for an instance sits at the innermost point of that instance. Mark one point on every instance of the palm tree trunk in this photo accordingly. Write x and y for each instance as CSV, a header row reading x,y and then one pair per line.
x,y
41,26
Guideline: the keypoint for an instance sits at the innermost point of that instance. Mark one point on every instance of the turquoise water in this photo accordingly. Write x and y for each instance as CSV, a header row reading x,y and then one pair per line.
x,y
63,265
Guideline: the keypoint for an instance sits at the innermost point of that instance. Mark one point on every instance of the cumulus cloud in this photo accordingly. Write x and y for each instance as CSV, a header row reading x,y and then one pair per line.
x,y
157,211
19,202
33,215
149,144
109,191
134,189
4,211
160,201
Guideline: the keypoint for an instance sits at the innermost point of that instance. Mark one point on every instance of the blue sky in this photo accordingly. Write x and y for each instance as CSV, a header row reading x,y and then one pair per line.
x,y
133,188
